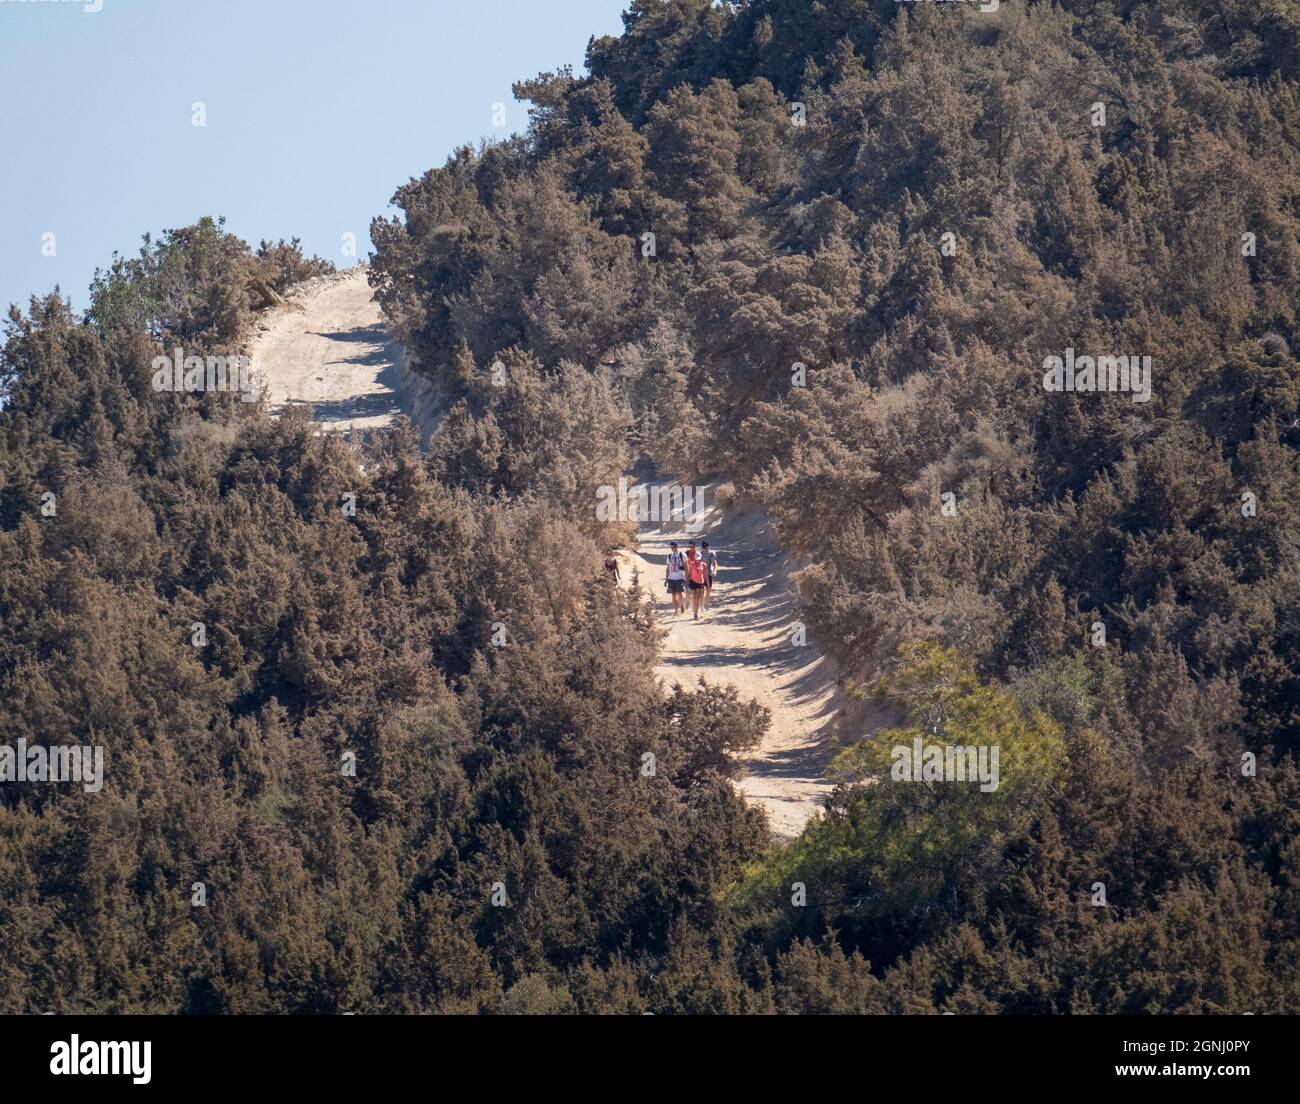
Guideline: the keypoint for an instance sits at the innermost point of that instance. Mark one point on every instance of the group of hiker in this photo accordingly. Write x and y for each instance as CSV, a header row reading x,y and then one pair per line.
x,y
690,572
693,571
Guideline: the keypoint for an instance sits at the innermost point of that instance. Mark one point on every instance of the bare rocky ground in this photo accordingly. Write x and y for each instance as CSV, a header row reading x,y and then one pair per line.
x,y
328,346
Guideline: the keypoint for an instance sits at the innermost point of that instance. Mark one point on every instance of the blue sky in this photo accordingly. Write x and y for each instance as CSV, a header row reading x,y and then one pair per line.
x,y
317,110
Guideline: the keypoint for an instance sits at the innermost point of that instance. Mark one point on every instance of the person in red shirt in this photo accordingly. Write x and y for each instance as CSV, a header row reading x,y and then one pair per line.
x,y
697,579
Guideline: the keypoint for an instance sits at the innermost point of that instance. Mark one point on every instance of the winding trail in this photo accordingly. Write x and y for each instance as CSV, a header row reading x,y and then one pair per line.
x,y
328,346
745,638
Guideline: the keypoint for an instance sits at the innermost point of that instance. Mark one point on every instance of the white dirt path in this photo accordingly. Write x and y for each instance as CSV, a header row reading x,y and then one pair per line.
x,y
328,346
744,638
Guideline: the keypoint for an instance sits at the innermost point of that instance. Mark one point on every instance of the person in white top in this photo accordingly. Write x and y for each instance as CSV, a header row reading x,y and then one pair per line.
x,y
711,565
675,578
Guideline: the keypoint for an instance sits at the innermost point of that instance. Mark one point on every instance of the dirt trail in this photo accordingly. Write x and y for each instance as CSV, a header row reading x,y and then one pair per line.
x,y
328,346
744,638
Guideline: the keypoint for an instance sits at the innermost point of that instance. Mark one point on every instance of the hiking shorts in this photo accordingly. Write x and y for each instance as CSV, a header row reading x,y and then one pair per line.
x,y
697,586
676,586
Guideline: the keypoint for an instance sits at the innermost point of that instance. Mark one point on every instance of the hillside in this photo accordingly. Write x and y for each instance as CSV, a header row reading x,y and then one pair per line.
x,y
379,735
326,348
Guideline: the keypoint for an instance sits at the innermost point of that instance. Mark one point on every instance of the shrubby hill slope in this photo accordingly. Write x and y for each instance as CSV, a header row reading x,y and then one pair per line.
x,y
775,244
